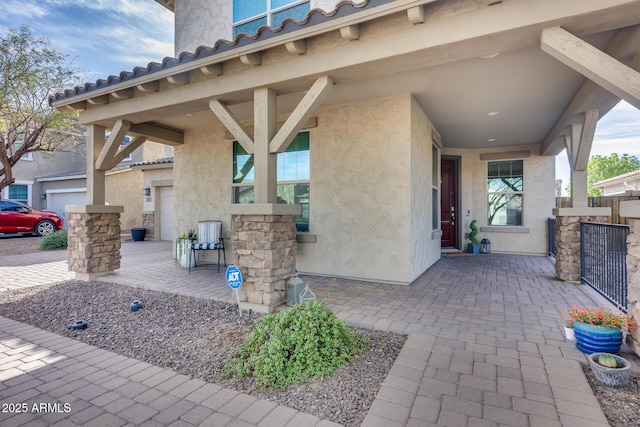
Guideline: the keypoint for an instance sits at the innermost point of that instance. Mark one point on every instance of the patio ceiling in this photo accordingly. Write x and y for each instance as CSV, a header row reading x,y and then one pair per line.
x,y
438,61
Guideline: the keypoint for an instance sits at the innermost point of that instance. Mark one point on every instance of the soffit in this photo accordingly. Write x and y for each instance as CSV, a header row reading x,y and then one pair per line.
x,y
450,82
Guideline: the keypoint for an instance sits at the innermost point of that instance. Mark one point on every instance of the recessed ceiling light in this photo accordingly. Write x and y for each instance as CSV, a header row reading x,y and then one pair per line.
x,y
490,55
493,113
491,140
189,114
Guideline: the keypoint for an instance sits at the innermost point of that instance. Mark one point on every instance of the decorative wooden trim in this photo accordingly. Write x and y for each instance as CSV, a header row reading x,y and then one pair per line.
x,y
99,100
211,70
310,124
586,139
252,58
123,94
416,14
111,147
296,47
179,79
230,121
351,32
307,106
153,86
161,134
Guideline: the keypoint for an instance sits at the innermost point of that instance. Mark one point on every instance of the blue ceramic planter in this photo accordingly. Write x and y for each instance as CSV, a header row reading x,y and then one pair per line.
x,y
597,339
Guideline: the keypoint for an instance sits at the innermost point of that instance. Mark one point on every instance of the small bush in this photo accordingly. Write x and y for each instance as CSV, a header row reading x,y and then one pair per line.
x,y
294,345
54,241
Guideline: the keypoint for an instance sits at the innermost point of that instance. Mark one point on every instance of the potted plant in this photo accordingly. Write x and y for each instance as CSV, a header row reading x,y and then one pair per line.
x,y
183,246
569,334
610,369
474,246
137,233
599,330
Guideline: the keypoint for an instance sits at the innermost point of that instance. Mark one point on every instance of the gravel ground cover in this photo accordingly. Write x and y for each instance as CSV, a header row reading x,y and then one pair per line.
x,y
194,337
19,245
621,406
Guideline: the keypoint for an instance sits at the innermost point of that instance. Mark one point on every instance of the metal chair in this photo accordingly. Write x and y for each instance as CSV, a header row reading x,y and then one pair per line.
x,y
209,239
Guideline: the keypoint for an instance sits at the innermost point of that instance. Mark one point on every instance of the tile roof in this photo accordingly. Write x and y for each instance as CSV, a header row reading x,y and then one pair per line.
x,y
162,161
315,17
634,175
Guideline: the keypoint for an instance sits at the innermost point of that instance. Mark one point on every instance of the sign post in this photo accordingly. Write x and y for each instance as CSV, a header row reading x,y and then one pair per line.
x,y
234,280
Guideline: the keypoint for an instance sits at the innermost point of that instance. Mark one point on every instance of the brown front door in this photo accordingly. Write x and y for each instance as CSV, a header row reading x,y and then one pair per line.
x,y
449,203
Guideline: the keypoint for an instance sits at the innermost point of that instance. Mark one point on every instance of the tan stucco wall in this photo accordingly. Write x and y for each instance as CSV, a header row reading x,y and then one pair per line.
x,y
539,200
154,178
125,189
425,241
361,183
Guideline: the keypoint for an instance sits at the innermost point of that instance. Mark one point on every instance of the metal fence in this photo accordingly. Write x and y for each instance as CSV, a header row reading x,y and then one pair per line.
x,y
603,252
551,237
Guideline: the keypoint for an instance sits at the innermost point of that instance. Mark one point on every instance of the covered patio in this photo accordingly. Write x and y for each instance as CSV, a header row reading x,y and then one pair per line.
x,y
485,341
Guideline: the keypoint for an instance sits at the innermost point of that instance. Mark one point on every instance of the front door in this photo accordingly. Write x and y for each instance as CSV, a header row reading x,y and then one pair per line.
x,y
449,203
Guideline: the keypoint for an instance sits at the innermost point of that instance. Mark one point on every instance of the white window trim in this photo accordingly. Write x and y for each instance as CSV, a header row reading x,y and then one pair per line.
x,y
520,193
29,184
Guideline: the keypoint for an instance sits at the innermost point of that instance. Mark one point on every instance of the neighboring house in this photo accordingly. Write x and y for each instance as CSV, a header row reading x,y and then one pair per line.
x,y
158,212
27,188
627,184
384,126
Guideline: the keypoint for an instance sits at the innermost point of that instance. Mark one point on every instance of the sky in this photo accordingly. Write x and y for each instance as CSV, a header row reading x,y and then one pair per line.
x,y
105,37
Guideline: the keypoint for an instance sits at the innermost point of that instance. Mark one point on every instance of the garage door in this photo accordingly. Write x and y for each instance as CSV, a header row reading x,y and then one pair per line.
x,y
166,213
57,201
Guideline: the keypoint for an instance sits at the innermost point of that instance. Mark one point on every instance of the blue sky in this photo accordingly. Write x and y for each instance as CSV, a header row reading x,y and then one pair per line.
x,y
105,37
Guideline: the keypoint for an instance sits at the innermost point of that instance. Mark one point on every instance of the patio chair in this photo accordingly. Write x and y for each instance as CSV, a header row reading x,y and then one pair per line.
x,y
209,239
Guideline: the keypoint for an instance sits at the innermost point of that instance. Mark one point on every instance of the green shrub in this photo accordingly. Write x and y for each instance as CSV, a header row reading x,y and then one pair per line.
x,y
294,345
54,241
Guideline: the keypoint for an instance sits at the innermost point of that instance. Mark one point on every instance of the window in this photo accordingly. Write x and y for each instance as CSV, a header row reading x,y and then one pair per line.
x,y
19,141
505,191
435,185
19,193
293,172
249,15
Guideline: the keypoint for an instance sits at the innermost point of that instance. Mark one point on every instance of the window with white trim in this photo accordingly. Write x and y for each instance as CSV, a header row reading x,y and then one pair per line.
x,y
293,174
249,15
19,193
505,190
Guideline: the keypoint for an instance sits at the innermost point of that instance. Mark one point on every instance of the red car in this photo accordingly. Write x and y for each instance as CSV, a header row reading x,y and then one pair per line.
x,y
16,217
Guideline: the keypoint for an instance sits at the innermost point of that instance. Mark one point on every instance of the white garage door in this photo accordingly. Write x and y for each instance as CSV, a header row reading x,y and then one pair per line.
x,y
57,201
166,213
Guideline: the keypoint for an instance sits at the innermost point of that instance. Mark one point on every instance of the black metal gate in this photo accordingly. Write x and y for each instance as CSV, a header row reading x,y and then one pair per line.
x,y
603,252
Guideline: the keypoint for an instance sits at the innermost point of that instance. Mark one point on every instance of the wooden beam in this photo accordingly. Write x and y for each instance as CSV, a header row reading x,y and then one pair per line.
x,y
211,69
576,133
625,43
416,14
157,133
149,87
307,106
179,79
127,149
252,58
351,32
569,148
586,139
123,94
99,100
265,162
230,121
309,124
119,131
594,64
296,47
95,177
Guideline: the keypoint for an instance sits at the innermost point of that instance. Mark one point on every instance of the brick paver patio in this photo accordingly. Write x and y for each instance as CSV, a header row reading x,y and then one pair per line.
x,y
485,347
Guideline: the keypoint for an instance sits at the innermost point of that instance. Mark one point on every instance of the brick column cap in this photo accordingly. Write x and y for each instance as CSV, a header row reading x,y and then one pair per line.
x,y
630,209
582,211
264,209
93,209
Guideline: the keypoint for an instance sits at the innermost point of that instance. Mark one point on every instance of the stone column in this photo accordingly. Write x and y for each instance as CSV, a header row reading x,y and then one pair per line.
x,y
631,210
148,222
568,238
264,249
94,240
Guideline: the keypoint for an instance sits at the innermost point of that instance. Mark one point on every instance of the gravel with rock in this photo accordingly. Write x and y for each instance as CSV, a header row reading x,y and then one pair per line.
x,y
621,406
194,337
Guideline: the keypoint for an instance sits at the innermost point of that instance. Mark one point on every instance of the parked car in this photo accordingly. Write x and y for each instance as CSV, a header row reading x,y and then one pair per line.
x,y
16,217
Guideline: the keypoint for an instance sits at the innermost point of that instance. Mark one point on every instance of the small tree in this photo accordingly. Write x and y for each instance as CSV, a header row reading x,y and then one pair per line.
x,y
31,71
600,168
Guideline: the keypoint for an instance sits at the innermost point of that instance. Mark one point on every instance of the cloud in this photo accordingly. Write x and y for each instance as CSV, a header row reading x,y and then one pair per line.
x,y
621,123
17,9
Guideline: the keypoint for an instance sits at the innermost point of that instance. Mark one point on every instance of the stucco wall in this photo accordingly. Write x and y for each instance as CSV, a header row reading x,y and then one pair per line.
x,y
538,200
425,242
201,23
361,174
125,189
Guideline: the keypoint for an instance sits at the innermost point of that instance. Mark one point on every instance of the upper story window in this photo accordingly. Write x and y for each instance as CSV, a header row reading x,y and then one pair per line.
x,y
249,15
505,189
293,171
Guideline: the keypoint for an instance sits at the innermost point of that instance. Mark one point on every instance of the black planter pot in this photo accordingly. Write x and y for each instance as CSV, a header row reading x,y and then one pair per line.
x,y
138,234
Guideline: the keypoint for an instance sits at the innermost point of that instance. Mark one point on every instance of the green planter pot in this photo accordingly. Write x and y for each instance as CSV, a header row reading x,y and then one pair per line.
x,y
597,339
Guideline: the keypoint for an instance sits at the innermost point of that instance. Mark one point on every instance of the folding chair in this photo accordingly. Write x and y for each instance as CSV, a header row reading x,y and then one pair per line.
x,y
209,239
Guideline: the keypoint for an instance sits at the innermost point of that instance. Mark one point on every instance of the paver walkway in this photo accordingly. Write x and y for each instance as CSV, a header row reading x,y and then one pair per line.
x,y
485,348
